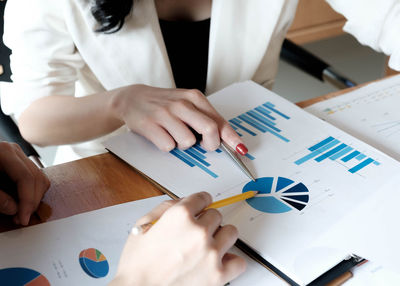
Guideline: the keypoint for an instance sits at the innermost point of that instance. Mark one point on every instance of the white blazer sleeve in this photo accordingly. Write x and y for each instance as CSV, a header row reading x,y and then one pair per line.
x,y
44,59
375,23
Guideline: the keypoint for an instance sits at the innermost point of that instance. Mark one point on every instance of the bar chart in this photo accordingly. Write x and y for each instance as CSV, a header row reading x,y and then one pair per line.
x,y
333,149
261,119
196,157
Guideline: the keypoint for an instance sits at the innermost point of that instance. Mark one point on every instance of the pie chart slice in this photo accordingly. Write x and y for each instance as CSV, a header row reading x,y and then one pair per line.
x,y
94,263
277,195
22,277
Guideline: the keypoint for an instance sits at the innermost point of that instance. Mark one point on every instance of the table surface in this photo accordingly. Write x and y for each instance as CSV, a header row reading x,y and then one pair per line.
x,y
97,182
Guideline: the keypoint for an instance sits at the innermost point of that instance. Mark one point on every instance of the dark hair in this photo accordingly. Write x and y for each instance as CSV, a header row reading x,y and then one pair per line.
x,y
111,14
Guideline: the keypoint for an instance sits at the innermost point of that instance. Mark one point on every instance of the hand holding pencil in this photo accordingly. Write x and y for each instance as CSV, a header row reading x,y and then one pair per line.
x,y
138,229
186,246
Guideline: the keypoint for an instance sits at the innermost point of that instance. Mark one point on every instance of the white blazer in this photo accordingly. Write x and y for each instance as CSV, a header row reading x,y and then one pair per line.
x,y
55,51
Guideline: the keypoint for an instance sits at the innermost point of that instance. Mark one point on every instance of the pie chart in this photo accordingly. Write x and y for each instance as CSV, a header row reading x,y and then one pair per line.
x,y
22,277
277,195
94,263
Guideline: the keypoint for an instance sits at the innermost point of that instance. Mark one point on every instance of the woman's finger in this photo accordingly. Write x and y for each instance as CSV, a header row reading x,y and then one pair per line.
x,y
7,204
226,132
200,122
230,136
177,129
159,136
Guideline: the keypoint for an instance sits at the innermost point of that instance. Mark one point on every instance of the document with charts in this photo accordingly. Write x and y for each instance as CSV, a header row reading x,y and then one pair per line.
x,y
370,113
309,175
84,249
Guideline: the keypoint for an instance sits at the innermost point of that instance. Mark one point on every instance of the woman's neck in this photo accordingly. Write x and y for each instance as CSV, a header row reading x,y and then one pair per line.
x,y
183,10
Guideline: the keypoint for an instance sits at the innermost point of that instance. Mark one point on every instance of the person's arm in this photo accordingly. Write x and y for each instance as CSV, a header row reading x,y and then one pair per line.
x,y
375,23
160,115
185,247
45,64
30,182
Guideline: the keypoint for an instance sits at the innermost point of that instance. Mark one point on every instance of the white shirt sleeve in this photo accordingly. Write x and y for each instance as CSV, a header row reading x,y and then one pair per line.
x,y
375,23
44,59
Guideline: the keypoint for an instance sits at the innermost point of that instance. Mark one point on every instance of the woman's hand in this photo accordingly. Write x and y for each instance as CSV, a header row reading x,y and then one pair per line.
x,y
185,247
163,116
31,183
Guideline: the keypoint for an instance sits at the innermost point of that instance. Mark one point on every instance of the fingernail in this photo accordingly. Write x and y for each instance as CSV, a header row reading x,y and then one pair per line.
x,y
242,149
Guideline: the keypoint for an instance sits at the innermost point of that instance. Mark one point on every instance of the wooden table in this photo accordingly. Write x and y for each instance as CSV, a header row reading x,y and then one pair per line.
x,y
97,182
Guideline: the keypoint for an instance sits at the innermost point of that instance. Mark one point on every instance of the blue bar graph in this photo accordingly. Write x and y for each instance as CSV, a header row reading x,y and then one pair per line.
x,y
334,150
341,153
317,152
350,156
261,119
322,143
195,157
192,161
361,165
270,106
360,157
331,152
265,112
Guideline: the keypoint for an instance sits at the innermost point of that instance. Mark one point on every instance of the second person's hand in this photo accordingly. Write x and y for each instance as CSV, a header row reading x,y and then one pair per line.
x,y
185,247
163,115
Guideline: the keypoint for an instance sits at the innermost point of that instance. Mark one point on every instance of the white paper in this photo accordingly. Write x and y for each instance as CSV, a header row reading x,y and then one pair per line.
x,y
370,113
286,239
53,249
372,274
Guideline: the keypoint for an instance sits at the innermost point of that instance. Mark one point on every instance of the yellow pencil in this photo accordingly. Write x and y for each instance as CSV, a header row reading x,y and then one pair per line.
x,y
232,200
218,204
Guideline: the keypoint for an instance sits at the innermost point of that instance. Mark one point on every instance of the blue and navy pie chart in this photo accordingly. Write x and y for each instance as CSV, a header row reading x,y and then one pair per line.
x,y
277,195
19,276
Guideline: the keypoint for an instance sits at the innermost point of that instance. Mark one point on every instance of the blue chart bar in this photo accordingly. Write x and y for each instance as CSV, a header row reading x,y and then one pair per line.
x,y
329,148
196,157
341,153
320,144
198,148
351,156
262,119
361,165
271,107
331,152
192,161
265,112
249,156
317,152
237,122
259,119
360,157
